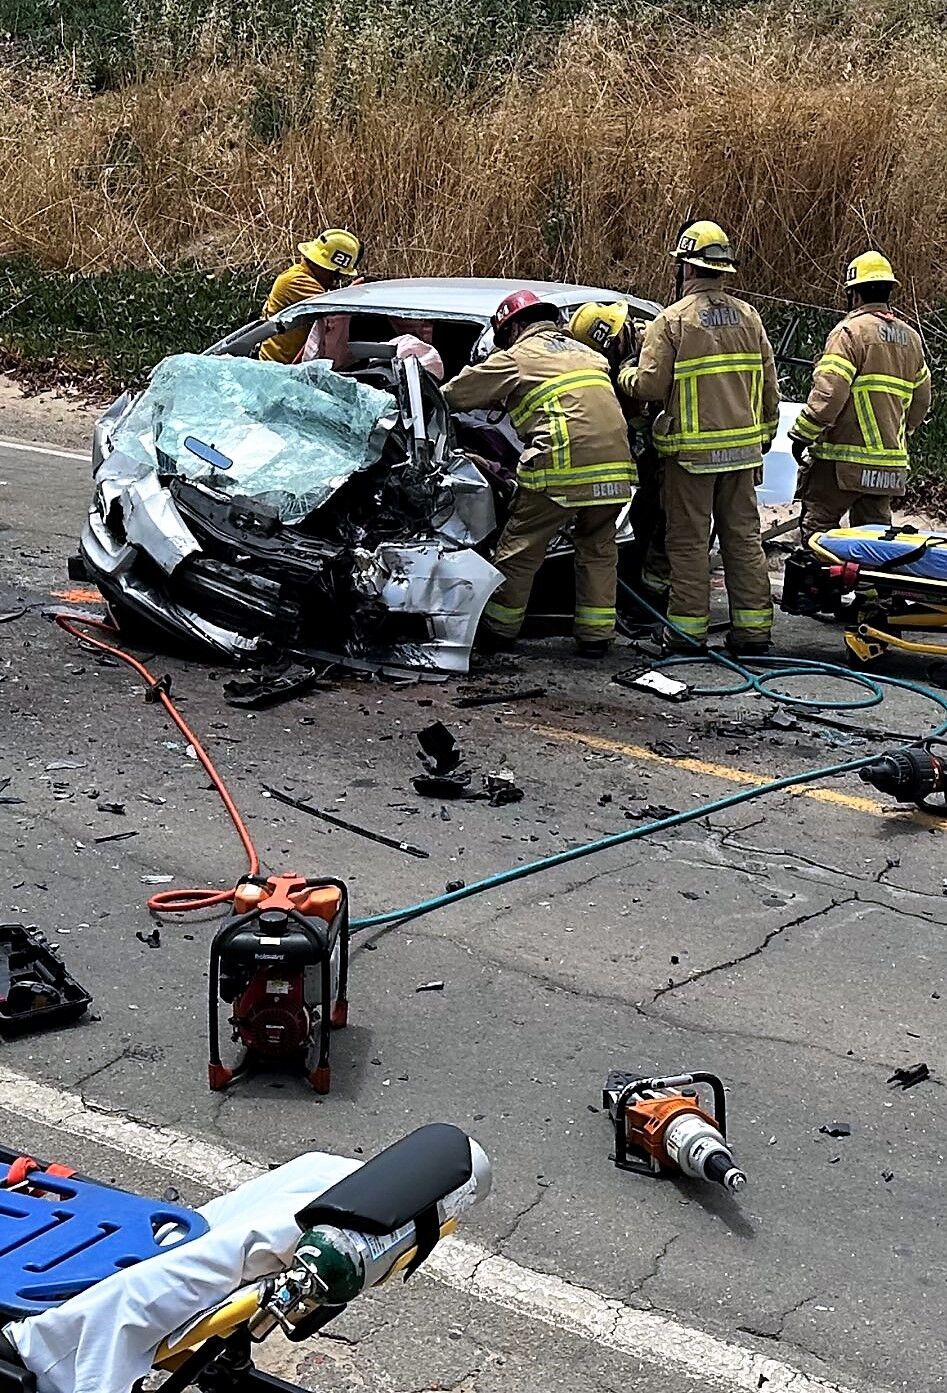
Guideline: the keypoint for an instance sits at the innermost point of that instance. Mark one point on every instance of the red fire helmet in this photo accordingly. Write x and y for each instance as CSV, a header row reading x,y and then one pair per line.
x,y
513,306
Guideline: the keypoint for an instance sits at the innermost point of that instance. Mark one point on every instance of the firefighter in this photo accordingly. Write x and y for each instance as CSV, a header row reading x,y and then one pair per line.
x,y
576,465
870,390
324,263
609,327
707,361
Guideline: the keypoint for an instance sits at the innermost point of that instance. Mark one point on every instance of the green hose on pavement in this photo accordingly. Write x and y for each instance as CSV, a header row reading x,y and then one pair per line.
x,y
776,670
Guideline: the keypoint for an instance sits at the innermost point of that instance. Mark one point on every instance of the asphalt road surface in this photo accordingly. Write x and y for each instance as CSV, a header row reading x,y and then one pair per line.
x,y
794,945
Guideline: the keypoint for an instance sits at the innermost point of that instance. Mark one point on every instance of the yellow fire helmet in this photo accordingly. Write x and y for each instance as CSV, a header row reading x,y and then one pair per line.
x,y
598,325
868,268
334,250
705,244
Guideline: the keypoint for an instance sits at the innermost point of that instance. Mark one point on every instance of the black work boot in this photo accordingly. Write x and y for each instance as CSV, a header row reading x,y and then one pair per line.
x,y
592,647
739,647
674,645
490,641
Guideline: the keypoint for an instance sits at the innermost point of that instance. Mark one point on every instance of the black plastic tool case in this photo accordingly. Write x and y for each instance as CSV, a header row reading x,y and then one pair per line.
x,y
27,957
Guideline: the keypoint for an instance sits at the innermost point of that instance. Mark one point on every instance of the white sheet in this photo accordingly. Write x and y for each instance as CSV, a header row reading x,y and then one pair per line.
x,y
105,1340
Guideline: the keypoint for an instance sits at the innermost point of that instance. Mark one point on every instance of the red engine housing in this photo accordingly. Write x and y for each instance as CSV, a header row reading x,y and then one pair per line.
x,y
271,1017
280,963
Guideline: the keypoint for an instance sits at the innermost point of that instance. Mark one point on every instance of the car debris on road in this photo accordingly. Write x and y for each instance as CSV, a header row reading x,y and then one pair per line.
x,y
907,1078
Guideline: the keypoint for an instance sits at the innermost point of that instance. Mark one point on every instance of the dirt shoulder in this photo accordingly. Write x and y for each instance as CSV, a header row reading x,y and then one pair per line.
x,y
58,417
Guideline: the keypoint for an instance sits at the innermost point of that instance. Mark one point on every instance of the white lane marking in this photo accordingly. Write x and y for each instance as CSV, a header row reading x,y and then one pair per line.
x,y
464,1266
30,449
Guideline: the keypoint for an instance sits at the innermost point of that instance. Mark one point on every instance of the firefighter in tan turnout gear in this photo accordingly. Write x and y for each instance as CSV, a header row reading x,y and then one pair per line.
x,y
870,389
610,330
706,359
576,466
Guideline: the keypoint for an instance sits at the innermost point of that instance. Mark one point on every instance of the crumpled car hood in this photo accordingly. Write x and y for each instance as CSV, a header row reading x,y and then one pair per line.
x,y
286,435
247,506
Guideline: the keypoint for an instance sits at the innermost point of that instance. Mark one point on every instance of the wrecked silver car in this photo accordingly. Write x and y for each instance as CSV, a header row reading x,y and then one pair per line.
x,y
252,508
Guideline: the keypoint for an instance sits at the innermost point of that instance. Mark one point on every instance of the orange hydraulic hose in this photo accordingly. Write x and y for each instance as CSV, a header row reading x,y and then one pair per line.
x,y
170,901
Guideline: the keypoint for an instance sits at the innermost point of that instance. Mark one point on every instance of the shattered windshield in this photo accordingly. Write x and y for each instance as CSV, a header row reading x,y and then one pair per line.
x,y
289,436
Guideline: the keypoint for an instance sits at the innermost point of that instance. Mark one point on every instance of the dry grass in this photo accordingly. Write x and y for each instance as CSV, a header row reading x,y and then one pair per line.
x,y
809,145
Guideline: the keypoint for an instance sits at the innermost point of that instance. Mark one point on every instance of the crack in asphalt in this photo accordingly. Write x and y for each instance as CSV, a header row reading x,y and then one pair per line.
x,y
79,1084
754,952
778,1334
758,1037
353,1341
654,1271
467,1383
879,878
521,1215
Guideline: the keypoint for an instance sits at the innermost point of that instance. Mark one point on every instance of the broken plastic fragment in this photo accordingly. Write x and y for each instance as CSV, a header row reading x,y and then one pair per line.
x,y
442,785
501,789
907,1078
440,747
269,687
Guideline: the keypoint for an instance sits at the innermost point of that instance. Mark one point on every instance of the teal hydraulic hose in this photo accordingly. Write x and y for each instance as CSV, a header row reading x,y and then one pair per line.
x,y
749,681
632,834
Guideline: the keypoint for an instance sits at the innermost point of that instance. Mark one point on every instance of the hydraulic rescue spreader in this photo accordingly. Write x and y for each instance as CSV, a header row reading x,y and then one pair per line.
x,y
661,1127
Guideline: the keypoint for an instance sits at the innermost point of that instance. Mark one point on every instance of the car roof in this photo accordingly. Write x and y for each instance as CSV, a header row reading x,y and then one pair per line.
x,y
451,297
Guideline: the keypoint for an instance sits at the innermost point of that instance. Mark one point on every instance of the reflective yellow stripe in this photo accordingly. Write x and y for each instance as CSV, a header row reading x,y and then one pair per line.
x,y
833,362
691,437
627,376
509,614
805,428
882,382
695,625
561,446
595,618
717,362
714,439
690,423
752,618
717,369
596,611
866,418
919,382
554,388
856,454
620,472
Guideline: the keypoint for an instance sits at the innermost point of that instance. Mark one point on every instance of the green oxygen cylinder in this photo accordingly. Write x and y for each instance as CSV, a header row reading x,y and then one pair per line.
x,y
346,1262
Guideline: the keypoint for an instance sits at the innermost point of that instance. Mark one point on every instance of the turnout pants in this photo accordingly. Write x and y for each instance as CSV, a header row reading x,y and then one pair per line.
x,y
534,521
824,504
648,525
690,502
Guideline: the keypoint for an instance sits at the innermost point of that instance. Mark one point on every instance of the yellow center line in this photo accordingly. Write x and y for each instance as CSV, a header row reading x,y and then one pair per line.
x,y
709,769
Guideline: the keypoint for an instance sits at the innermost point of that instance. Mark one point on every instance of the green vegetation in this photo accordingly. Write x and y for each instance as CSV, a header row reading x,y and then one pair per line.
x,y
112,327
113,41
159,159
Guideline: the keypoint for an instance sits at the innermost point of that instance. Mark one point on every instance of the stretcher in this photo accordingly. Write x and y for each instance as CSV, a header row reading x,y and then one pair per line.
x,y
64,1239
885,585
